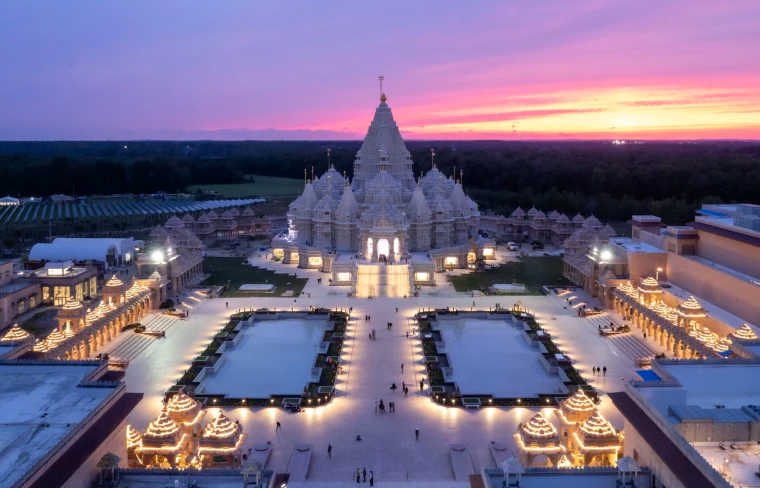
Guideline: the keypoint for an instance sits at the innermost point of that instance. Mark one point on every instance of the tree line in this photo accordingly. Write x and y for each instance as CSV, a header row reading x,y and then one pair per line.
x,y
611,181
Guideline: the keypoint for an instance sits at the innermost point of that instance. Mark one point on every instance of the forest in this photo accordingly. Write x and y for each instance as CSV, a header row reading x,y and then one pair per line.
x,y
669,179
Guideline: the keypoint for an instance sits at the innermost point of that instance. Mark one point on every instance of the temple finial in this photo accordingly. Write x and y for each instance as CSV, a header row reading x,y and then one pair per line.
x,y
383,98
432,156
329,164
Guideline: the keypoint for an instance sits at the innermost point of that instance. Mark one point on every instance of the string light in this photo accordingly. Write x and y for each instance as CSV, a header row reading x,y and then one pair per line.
x,y
15,333
691,309
745,333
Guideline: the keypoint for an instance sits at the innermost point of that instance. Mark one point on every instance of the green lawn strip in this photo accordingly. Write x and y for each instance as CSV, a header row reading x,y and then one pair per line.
x,y
262,186
534,272
222,270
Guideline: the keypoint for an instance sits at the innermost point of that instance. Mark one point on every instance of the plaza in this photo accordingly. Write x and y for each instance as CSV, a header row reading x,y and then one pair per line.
x,y
389,447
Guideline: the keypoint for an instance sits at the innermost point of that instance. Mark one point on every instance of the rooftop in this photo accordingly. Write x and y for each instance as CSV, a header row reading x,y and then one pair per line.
x,y
630,246
722,383
41,405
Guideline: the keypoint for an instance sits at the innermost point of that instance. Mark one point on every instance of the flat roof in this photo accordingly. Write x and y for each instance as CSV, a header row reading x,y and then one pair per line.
x,y
633,247
676,461
41,405
708,384
14,286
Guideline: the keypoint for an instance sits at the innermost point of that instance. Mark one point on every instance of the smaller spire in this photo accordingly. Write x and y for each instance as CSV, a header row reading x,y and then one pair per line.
x,y
383,98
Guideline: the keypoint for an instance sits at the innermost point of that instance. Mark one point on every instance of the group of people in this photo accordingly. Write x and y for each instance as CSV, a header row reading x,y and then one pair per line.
x,y
596,370
380,406
362,475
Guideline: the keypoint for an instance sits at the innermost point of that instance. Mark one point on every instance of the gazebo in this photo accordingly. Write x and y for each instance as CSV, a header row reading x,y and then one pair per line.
x,y
595,443
572,411
538,437
745,333
165,443
690,312
221,443
71,317
650,291
113,291
512,467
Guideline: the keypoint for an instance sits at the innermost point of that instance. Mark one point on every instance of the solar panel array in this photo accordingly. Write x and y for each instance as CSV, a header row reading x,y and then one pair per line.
x,y
39,212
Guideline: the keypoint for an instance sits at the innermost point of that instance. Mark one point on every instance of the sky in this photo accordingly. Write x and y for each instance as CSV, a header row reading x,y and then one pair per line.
x,y
266,69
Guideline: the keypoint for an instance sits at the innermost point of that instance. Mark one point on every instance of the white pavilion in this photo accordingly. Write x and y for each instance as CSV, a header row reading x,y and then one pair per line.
x,y
383,215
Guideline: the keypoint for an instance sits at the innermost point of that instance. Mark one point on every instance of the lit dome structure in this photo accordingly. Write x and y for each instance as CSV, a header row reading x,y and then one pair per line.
x,y
183,409
745,333
538,437
221,438
595,442
15,334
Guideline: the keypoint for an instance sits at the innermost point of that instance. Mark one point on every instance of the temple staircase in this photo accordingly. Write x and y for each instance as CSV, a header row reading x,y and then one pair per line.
x,y
380,280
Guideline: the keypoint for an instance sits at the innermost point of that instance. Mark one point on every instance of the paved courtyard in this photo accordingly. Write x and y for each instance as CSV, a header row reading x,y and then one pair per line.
x,y
389,447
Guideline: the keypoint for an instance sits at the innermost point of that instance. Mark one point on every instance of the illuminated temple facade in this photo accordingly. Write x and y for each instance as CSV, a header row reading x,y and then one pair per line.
x,y
384,213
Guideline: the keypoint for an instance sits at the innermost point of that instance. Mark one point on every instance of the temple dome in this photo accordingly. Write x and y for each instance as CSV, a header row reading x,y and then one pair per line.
x,y
459,202
554,215
562,219
532,212
519,213
592,222
383,181
324,209
188,219
383,214
15,333
419,210
248,212
158,233
442,209
173,222
538,432
307,202
348,209
577,407
579,219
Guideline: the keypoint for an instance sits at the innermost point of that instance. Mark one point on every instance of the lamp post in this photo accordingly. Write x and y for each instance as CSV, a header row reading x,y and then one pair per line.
x,y
657,276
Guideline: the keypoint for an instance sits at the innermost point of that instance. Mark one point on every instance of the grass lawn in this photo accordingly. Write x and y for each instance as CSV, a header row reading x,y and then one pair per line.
x,y
232,270
41,323
533,272
262,186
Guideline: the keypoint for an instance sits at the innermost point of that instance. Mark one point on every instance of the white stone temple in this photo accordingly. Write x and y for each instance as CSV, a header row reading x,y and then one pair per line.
x,y
349,229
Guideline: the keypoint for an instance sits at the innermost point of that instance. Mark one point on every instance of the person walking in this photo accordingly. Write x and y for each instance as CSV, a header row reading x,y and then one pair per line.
x,y
407,334
417,434
593,370
645,336
279,427
396,309
406,391
598,369
371,478
402,368
227,304
375,407
329,450
358,476
422,384
604,370
364,475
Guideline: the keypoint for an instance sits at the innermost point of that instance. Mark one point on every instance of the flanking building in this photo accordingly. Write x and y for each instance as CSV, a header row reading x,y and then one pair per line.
x,y
535,225
16,296
691,288
59,419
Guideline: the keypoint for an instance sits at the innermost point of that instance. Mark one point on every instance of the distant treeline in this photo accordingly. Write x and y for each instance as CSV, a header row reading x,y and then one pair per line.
x,y
611,181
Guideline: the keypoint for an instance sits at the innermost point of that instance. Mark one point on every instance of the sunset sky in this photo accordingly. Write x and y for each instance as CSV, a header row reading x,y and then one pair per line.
x,y
308,70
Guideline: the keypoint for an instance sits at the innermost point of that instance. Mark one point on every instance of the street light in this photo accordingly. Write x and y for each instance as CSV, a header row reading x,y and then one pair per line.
x,y
657,276
157,256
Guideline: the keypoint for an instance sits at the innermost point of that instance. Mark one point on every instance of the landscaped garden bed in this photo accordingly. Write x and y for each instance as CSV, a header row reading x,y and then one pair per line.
x,y
443,393
316,393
